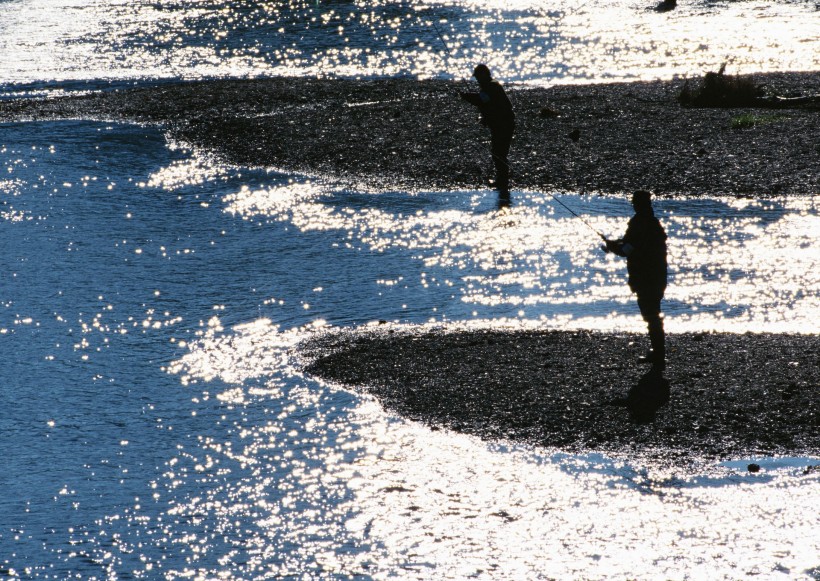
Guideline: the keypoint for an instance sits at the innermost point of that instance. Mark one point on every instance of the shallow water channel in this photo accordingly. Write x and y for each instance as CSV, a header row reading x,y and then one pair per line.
x,y
157,424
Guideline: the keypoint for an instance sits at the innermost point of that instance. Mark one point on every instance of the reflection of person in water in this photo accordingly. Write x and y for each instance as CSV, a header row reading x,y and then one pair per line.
x,y
496,114
644,246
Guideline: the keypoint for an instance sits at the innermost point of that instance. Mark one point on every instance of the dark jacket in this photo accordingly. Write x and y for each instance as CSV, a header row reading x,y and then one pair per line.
x,y
644,246
494,105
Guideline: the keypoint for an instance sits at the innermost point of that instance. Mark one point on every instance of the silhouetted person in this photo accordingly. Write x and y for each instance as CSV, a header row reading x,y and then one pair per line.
x,y
496,114
644,246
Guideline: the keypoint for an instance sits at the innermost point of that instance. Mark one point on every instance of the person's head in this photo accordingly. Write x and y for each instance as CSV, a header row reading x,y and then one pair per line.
x,y
482,74
642,201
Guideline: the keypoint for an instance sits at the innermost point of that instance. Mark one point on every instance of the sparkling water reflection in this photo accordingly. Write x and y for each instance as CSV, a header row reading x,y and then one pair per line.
x,y
157,424
522,40
536,261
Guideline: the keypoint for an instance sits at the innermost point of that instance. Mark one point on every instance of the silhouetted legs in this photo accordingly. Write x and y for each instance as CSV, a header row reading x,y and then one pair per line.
x,y
504,200
500,149
651,312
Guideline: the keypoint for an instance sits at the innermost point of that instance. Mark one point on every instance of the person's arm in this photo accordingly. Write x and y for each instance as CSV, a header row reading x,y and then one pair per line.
x,y
480,100
624,246
618,247
472,98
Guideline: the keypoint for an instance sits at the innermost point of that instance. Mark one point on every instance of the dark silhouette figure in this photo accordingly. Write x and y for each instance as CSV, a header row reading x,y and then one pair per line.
x,y
644,246
496,114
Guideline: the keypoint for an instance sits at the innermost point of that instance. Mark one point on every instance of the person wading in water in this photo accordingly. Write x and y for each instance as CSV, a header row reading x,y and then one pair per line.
x,y
644,246
496,114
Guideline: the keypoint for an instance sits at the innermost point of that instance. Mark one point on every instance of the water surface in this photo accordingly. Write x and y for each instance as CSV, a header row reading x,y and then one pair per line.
x,y
157,424
82,46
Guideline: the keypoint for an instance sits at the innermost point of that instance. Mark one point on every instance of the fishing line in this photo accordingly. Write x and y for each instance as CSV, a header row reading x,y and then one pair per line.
x,y
449,58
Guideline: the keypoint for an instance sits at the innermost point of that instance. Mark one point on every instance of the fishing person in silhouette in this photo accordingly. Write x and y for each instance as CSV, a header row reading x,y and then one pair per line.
x,y
496,114
644,246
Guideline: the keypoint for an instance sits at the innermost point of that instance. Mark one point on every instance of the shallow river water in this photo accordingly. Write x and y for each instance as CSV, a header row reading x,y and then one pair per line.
x,y
81,45
157,425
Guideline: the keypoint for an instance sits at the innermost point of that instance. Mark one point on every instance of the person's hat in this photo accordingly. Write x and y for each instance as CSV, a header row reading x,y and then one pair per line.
x,y
641,198
481,70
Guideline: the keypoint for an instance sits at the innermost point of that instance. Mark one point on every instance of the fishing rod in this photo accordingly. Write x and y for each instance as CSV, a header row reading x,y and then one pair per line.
x,y
571,211
441,38
566,207
446,48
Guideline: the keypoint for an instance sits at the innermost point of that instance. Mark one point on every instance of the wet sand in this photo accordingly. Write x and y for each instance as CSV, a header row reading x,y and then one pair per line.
x,y
409,134
721,396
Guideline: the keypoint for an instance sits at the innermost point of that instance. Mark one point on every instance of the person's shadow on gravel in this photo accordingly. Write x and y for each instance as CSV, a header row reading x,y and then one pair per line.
x,y
647,396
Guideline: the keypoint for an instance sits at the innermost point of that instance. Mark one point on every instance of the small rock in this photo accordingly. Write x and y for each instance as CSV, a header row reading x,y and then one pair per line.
x,y
753,468
666,6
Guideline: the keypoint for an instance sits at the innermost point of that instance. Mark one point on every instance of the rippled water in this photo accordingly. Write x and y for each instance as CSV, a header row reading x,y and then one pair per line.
x,y
75,42
156,424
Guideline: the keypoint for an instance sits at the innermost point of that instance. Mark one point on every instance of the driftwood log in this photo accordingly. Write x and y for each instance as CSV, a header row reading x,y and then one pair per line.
x,y
717,89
